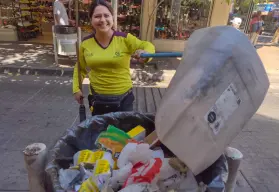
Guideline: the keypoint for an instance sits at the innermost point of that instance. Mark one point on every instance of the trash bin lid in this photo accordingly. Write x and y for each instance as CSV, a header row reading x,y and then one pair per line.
x,y
65,29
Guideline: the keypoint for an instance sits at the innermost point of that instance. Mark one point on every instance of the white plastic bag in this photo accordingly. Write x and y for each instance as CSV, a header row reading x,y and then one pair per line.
x,y
139,187
120,176
123,158
66,176
170,179
134,153
142,154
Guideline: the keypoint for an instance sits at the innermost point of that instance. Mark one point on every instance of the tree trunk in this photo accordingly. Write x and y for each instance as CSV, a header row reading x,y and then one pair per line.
x,y
275,38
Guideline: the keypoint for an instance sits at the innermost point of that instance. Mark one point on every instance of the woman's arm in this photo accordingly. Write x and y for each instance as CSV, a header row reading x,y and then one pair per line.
x,y
82,71
135,44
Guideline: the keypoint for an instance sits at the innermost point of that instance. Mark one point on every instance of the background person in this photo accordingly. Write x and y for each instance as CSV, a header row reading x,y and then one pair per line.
x,y
255,28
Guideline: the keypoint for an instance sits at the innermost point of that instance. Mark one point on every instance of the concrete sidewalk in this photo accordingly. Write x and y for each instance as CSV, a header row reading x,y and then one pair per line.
x,y
33,59
38,59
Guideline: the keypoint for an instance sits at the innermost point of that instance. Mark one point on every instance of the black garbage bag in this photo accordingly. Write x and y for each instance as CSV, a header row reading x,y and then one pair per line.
x,y
85,134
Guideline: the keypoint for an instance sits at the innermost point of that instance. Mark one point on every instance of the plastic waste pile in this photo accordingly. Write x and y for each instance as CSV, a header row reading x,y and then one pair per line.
x,y
124,162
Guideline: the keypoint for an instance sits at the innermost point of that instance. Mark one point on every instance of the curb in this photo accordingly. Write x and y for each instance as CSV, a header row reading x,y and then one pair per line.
x,y
68,72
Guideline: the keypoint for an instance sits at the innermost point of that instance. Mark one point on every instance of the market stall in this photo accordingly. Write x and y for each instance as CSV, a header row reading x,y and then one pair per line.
x,y
7,29
175,21
166,23
28,18
129,16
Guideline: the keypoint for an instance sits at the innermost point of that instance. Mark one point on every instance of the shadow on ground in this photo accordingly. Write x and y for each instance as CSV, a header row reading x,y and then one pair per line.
x,y
22,56
30,55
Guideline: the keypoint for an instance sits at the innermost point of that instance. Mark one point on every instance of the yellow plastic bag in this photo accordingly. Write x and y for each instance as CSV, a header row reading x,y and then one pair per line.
x,y
87,156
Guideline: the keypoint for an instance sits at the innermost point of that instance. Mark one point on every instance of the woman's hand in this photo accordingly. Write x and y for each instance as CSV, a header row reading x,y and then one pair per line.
x,y
79,97
137,54
72,22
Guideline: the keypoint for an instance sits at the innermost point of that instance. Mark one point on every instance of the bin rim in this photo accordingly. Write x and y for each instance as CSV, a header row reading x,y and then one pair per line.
x,y
65,29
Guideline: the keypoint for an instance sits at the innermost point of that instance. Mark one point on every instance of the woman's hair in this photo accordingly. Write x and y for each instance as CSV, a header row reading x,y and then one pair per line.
x,y
96,3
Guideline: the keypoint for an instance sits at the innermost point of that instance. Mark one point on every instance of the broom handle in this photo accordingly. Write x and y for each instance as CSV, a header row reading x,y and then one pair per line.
x,y
167,54
78,67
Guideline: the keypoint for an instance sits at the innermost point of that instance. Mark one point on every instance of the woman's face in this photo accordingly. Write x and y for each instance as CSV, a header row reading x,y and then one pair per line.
x,y
102,19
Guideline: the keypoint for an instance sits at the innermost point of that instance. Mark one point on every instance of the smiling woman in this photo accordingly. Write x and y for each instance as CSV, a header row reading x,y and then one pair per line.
x,y
107,54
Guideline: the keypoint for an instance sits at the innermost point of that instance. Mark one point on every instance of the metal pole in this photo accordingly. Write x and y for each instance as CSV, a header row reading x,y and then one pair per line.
x,y
1,23
35,157
234,158
55,46
77,13
79,36
115,12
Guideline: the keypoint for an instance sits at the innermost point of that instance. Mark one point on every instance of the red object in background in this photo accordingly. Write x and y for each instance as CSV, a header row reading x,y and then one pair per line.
x,y
86,1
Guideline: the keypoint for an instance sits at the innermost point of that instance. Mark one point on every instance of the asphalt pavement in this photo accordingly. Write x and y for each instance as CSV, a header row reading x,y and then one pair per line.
x,y
259,144
33,109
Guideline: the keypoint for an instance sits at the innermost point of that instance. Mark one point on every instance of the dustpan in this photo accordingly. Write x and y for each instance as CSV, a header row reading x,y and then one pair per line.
x,y
218,86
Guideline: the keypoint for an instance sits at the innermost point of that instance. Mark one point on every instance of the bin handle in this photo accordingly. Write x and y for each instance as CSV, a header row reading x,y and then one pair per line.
x,y
166,54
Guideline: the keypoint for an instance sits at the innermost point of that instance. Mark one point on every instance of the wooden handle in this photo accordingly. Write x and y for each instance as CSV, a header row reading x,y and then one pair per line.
x,y
78,67
167,54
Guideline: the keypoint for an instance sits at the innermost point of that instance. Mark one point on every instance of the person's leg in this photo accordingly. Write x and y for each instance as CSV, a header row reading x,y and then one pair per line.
x,y
252,37
127,103
256,39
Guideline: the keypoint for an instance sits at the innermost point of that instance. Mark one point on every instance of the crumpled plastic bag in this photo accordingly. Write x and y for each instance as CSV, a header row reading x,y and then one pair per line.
x,y
142,154
120,176
134,153
66,177
138,187
218,168
158,153
145,172
171,179
123,158
217,185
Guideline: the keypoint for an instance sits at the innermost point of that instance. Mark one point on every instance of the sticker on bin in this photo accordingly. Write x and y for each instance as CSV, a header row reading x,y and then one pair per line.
x,y
225,105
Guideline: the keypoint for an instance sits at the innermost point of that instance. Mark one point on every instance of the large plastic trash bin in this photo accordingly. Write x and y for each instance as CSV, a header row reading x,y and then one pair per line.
x,y
84,135
66,37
